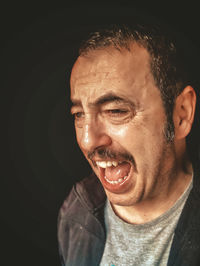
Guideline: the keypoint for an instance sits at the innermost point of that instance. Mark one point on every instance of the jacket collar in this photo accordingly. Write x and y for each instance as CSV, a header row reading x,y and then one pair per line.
x,y
91,193
185,247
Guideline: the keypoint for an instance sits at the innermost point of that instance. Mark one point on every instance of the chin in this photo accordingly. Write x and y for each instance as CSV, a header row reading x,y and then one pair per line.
x,y
125,199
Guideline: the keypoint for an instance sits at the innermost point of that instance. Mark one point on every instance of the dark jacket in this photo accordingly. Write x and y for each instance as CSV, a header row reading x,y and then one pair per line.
x,y
81,230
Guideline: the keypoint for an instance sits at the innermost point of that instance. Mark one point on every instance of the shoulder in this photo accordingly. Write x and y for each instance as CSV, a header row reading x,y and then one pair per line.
x,y
80,222
186,244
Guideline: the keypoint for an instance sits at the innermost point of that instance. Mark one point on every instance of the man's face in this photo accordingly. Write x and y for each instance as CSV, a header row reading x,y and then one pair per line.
x,y
120,122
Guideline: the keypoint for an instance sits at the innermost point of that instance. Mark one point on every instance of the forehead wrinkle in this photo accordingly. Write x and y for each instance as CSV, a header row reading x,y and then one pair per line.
x,y
97,77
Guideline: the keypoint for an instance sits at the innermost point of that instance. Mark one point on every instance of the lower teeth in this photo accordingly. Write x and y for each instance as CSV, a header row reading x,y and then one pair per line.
x,y
115,181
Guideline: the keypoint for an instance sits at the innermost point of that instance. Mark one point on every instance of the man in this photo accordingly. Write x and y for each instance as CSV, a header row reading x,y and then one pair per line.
x,y
133,106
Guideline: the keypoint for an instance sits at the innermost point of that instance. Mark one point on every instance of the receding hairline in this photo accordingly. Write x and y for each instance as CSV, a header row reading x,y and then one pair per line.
x,y
115,35
126,46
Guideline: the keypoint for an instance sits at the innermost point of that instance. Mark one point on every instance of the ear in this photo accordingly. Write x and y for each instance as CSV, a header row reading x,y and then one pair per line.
x,y
184,110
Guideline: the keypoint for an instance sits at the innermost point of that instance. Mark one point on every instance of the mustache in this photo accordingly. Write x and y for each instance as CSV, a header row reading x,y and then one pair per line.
x,y
110,154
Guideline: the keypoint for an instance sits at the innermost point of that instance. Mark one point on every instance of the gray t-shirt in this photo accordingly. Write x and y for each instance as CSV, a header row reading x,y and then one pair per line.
x,y
143,244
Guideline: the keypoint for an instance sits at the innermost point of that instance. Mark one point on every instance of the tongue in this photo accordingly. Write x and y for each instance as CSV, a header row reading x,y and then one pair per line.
x,y
120,171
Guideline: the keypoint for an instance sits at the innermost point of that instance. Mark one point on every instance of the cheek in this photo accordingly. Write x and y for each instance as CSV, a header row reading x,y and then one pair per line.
x,y
129,136
118,131
140,140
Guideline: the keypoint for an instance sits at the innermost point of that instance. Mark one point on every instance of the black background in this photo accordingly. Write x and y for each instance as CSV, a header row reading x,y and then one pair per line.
x,y
42,160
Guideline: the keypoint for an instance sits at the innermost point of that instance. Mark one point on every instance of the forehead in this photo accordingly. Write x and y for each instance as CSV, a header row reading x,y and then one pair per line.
x,y
111,70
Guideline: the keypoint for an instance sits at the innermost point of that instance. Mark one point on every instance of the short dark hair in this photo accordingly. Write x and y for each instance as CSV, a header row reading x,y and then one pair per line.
x,y
169,62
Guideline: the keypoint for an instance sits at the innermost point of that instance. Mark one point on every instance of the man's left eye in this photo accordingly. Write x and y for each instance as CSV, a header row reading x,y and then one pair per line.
x,y
117,116
116,112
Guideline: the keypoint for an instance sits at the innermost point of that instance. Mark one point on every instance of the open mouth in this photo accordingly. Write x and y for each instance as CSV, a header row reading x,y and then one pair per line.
x,y
114,174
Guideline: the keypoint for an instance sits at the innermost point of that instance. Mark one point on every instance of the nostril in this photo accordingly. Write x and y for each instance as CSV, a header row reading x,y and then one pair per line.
x,y
92,135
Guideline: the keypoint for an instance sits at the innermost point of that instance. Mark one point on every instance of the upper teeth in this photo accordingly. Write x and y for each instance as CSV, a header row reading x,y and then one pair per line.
x,y
105,164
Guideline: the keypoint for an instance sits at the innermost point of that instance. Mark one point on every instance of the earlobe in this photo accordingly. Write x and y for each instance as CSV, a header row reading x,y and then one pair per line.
x,y
184,111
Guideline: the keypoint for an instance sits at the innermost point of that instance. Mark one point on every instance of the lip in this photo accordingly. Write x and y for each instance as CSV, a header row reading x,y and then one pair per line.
x,y
116,188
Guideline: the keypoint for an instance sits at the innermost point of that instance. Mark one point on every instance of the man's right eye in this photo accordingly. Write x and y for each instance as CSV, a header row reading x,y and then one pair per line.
x,y
79,119
78,115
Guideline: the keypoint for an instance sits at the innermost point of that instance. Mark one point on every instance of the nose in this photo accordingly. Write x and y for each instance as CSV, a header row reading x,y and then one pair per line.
x,y
94,136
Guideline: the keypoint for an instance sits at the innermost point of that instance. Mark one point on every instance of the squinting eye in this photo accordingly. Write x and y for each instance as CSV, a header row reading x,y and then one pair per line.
x,y
78,115
78,119
117,115
116,112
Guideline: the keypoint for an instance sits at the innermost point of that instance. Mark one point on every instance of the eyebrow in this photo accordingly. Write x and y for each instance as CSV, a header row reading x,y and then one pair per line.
x,y
75,103
107,98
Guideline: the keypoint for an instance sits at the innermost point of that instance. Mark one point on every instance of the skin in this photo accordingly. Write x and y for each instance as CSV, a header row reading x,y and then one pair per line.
x,y
160,171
